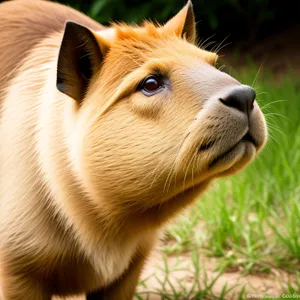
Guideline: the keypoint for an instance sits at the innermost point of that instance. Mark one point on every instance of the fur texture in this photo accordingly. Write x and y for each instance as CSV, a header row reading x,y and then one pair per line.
x,y
87,182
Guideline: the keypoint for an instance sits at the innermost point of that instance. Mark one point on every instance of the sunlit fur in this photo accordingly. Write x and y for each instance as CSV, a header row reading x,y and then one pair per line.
x,y
85,187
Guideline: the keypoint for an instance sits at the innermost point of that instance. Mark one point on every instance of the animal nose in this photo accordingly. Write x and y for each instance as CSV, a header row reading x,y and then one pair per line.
x,y
241,98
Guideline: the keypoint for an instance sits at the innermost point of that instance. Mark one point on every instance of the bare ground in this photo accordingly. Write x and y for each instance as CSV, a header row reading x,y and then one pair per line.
x,y
156,281
183,274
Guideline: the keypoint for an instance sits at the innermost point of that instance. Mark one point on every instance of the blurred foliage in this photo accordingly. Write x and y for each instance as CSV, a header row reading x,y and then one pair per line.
x,y
246,21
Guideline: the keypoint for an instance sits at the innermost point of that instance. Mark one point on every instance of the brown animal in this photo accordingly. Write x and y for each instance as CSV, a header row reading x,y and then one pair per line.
x,y
106,133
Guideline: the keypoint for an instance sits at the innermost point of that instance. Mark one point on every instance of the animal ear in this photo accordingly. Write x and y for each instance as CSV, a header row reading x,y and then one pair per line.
x,y
183,24
80,57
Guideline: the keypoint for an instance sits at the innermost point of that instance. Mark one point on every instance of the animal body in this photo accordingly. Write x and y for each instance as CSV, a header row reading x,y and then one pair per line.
x,y
105,134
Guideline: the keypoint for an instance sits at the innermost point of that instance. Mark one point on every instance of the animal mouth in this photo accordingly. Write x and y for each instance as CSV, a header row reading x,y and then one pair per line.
x,y
249,138
246,138
206,146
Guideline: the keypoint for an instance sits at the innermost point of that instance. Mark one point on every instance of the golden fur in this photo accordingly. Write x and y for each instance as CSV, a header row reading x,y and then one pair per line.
x,y
87,183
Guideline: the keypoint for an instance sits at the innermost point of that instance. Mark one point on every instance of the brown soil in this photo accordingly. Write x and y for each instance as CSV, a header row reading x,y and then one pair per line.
x,y
271,284
182,274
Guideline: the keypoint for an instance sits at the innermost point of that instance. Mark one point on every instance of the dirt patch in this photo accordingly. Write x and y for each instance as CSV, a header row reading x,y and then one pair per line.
x,y
180,277
182,273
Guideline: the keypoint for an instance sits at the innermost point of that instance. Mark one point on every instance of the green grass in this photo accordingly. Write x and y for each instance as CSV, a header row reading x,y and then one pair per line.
x,y
251,221
200,287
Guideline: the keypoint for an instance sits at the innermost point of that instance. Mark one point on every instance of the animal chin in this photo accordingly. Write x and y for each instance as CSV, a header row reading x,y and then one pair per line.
x,y
232,152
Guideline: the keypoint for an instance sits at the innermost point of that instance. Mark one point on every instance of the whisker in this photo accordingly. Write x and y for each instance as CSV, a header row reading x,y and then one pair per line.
x,y
276,114
204,47
193,169
202,42
276,129
187,168
261,93
273,102
257,73
222,67
223,46
170,174
220,45
153,173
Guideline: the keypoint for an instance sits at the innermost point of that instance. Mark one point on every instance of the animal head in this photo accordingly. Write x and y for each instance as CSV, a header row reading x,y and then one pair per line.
x,y
152,115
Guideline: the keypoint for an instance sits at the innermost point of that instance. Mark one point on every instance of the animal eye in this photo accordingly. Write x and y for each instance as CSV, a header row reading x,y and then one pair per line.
x,y
151,85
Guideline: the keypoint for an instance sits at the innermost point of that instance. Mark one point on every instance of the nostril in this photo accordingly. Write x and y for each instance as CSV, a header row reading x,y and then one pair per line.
x,y
252,97
241,98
